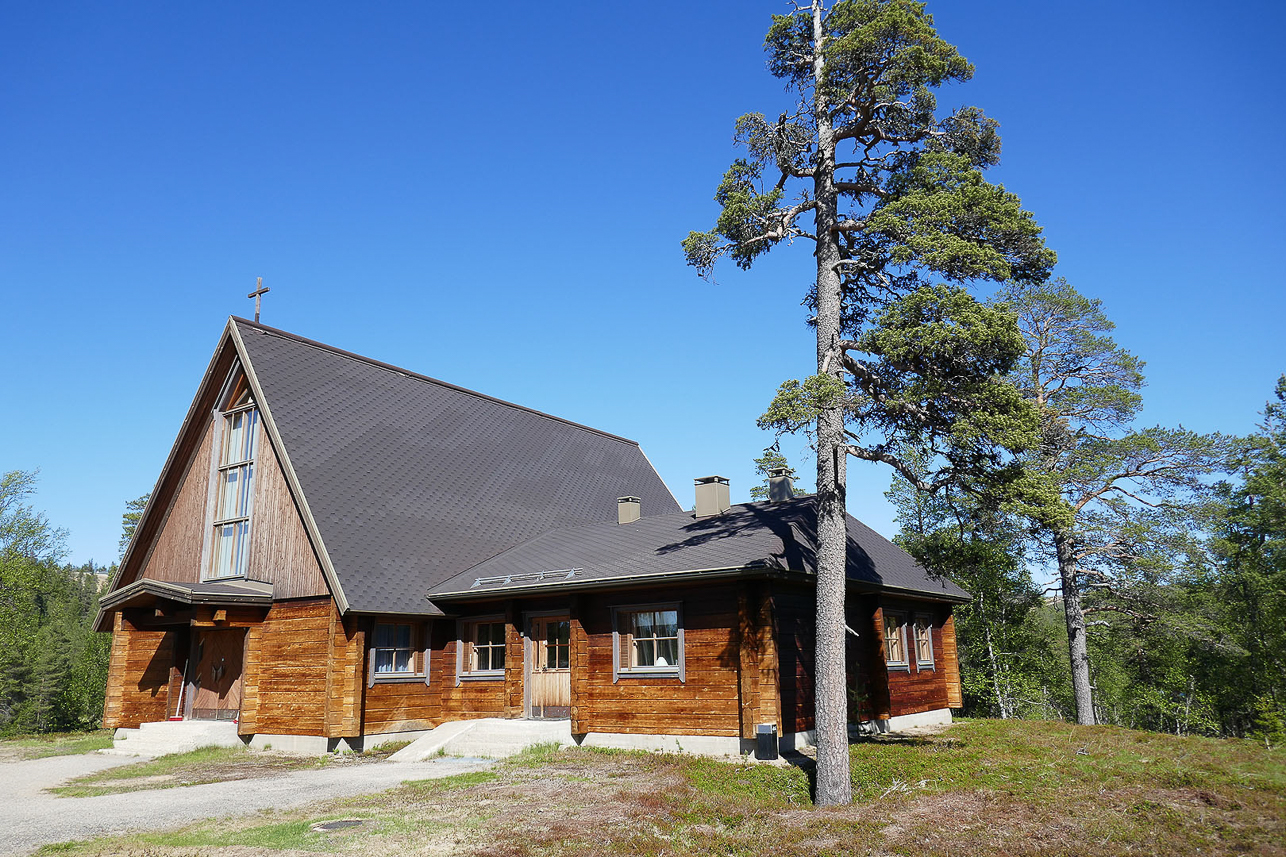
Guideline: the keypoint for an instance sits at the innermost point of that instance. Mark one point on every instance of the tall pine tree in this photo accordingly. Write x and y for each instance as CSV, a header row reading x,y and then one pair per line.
x,y
891,196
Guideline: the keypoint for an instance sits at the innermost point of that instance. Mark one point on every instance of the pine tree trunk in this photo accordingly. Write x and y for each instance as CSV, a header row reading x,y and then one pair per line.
x,y
834,784
1076,642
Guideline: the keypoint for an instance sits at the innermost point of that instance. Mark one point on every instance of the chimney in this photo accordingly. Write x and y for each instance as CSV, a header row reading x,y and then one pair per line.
x,y
628,509
779,485
712,496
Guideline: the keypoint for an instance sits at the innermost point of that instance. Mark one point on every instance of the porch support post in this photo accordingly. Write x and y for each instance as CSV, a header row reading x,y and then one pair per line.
x,y
578,661
515,661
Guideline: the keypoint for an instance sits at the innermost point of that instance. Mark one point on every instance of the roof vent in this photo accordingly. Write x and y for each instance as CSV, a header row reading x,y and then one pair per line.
x,y
628,509
712,496
780,487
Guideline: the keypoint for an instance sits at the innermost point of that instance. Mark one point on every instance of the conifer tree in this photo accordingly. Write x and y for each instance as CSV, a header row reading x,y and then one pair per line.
x,y
1126,496
891,197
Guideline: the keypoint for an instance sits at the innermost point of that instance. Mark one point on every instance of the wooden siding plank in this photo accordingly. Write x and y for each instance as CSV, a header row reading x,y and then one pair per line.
x,y
176,552
280,550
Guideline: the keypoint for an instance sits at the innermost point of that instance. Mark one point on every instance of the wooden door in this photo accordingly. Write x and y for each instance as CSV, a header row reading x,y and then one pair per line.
x,y
550,678
216,682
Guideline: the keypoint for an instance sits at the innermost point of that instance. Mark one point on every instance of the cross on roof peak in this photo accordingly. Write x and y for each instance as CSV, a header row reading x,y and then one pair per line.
x,y
257,294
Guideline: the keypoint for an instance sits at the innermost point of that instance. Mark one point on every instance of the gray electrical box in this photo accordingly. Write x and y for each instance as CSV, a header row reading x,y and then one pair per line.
x,y
766,741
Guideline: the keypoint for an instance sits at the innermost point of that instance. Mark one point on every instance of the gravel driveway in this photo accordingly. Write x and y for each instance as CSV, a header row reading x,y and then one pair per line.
x,y
30,818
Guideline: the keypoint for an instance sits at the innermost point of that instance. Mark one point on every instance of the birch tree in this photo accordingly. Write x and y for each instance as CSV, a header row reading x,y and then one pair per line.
x,y
890,196
1126,494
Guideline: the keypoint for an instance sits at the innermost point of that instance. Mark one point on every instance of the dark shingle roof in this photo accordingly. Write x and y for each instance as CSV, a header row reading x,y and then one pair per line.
x,y
411,480
780,536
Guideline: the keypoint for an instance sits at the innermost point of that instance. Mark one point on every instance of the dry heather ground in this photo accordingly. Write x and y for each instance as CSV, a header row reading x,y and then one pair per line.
x,y
980,788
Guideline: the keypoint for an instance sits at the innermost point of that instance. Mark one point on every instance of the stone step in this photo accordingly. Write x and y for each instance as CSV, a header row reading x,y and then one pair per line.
x,y
490,738
176,736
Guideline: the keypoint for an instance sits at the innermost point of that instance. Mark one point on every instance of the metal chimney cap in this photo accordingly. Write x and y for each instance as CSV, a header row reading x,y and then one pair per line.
x,y
628,509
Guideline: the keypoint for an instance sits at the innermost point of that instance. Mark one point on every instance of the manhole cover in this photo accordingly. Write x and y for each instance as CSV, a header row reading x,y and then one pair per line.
x,y
338,824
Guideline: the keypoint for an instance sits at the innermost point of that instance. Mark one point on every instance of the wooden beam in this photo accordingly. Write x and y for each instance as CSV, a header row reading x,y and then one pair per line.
x,y
951,663
578,660
747,637
515,662
769,671
880,702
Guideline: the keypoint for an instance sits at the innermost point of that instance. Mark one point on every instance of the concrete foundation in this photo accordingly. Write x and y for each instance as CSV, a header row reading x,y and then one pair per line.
x,y
487,737
939,717
701,745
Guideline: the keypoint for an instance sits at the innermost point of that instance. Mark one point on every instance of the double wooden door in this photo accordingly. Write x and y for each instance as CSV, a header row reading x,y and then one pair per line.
x,y
215,677
550,676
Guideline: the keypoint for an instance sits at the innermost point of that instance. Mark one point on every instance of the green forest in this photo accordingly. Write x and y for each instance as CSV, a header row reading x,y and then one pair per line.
x,y
53,665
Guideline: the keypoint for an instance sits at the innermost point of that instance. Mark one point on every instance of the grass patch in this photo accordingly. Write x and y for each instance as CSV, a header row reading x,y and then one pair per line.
x,y
980,788
280,836
56,744
203,765
446,784
388,748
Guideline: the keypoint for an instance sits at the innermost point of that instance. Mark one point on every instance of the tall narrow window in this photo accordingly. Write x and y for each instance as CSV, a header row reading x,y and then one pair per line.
x,y
235,486
924,642
895,640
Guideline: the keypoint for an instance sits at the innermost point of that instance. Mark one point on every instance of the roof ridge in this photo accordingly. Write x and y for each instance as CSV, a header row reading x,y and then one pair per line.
x,y
285,334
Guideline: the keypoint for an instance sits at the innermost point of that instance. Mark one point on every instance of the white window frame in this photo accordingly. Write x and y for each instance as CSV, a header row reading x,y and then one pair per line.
x,y
217,520
466,633
925,621
423,650
620,625
898,616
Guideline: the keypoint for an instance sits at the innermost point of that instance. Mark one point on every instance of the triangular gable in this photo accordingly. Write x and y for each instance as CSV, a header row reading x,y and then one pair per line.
x,y
174,521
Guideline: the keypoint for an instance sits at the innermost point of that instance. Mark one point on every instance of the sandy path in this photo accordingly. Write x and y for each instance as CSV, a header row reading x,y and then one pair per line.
x,y
30,818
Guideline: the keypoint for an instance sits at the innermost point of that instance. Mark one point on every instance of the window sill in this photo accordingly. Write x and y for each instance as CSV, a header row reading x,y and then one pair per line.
x,y
899,668
671,672
493,675
399,678
926,668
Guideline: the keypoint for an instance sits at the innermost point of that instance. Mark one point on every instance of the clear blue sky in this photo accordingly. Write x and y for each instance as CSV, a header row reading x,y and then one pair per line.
x,y
494,194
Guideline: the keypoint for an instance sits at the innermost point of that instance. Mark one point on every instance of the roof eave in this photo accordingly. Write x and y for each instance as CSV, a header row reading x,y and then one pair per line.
x,y
629,581
179,593
624,582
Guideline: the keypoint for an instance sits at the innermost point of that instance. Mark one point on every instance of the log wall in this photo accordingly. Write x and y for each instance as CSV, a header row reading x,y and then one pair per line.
x,y
707,703
345,674
795,611
470,698
406,705
916,689
287,666
951,662
139,675
758,676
